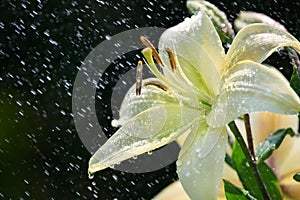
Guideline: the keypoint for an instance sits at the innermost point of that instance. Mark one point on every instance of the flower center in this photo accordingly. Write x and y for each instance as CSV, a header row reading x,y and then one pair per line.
x,y
139,71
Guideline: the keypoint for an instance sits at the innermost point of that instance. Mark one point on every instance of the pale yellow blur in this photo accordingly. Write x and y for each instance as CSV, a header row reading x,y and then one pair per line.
x,y
284,161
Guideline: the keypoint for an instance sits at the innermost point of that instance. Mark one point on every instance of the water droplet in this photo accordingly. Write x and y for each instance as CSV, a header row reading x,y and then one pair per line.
x,y
197,149
292,112
187,173
179,163
149,152
115,177
91,176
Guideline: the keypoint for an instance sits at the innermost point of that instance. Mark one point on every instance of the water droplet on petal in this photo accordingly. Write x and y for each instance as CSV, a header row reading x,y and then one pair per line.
x,y
187,173
188,162
292,112
179,163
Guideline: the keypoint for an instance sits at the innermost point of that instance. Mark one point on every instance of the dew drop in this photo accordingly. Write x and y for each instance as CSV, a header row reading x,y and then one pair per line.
x,y
115,177
197,149
247,164
179,163
187,173
292,112
91,176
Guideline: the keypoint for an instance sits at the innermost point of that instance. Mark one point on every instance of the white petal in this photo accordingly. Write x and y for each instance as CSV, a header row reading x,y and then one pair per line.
x,y
251,87
198,49
146,131
256,42
151,95
201,161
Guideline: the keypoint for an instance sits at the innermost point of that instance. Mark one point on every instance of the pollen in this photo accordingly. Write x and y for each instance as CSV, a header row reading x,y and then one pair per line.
x,y
156,56
171,58
139,77
157,83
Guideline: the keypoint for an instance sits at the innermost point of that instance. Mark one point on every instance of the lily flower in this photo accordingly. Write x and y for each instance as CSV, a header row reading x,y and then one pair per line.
x,y
283,161
197,93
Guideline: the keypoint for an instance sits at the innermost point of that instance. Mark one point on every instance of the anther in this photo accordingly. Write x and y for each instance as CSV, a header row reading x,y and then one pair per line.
x,y
139,77
156,56
171,58
156,83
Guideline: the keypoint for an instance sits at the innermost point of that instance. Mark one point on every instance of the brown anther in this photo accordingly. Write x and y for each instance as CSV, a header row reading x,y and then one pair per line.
x,y
139,77
157,84
156,56
171,58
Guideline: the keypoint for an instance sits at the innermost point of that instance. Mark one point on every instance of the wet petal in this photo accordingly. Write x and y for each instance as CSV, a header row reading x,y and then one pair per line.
x,y
256,42
251,87
146,131
201,161
199,51
151,95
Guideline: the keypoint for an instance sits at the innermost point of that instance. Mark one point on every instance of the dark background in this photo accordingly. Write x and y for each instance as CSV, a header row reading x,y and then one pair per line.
x,y
42,45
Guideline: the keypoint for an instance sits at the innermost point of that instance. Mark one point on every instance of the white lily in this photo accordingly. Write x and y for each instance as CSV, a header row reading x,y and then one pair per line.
x,y
200,94
283,161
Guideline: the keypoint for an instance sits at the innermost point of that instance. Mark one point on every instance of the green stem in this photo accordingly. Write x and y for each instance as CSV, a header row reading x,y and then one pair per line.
x,y
253,165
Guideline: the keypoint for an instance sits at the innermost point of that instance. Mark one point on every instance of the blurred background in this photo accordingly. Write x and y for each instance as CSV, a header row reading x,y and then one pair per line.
x,y
42,45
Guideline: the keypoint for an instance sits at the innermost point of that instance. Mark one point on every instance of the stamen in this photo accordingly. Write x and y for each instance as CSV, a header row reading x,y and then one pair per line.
x,y
139,76
147,52
171,58
156,56
156,83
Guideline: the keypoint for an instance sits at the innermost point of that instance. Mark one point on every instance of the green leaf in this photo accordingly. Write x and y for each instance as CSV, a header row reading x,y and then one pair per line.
x,y
233,192
245,172
295,80
218,17
265,149
248,175
296,177
270,180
